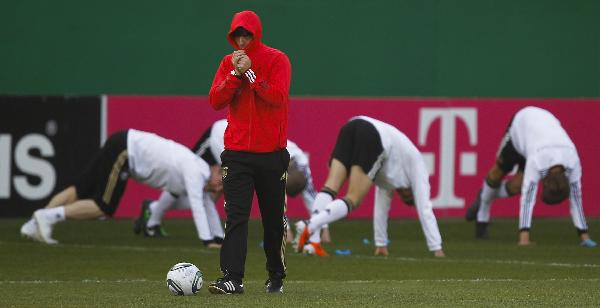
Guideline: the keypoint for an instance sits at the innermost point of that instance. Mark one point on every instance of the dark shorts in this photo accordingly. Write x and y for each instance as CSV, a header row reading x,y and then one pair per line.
x,y
359,144
105,178
508,157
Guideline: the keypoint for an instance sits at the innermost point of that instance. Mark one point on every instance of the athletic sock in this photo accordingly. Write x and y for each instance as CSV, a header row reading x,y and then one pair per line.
x,y
159,207
502,191
334,211
55,214
322,199
488,194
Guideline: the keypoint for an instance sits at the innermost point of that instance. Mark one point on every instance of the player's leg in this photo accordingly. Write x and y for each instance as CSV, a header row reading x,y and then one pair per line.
x,y
238,188
270,184
362,156
214,222
335,179
98,190
66,196
339,168
358,186
151,214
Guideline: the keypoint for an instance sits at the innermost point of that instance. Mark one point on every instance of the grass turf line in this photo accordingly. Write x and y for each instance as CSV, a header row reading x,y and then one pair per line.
x,y
102,263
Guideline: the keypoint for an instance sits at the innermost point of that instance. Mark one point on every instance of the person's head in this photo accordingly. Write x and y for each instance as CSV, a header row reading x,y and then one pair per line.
x,y
242,37
296,180
555,186
245,31
406,195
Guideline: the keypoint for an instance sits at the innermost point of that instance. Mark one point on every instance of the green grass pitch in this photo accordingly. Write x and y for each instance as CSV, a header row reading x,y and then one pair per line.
x,y
102,263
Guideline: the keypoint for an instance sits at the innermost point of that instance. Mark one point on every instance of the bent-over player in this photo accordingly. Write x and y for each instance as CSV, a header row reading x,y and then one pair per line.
x,y
370,151
147,158
540,147
209,147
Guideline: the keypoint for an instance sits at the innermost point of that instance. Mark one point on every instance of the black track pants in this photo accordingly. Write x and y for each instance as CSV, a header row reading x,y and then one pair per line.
x,y
243,174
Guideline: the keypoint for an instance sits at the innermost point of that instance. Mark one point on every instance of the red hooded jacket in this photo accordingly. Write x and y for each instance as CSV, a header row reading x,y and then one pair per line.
x,y
258,102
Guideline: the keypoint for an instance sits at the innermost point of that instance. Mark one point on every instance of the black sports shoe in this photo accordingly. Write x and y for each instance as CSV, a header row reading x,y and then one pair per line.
x,y
481,230
274,285
140,222
226,286
474,208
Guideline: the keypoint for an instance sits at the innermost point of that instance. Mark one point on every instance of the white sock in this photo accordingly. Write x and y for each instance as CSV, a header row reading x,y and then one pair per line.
x,y
334,211
159,207
321,201
488,194
502,192
55,214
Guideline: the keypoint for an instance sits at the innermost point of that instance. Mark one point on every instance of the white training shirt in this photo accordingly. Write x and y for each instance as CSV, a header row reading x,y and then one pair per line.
x,y
538,136
167,165
402,167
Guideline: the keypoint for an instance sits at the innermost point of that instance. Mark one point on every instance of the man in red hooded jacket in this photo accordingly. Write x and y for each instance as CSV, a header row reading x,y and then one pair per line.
x,y
254,83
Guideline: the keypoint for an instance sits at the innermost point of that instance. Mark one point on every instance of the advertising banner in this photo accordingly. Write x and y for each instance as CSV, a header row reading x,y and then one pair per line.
x,y
45,141
459,139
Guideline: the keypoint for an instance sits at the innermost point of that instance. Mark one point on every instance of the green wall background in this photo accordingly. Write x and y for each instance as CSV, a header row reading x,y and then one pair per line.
x,y
532,48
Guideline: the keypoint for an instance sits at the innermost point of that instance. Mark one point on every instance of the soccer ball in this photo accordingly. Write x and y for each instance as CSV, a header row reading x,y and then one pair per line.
x,y
184,279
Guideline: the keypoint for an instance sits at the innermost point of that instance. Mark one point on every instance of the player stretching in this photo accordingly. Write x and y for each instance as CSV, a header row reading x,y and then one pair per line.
x,y
369,151
536,143
209,147
147,158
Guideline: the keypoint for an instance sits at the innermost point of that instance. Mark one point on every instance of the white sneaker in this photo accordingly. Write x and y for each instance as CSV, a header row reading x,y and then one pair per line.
x,y
29,230
44,227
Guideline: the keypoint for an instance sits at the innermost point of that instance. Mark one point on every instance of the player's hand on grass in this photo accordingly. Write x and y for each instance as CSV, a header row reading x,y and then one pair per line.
x,y
381,251
524,239
589,243
439,254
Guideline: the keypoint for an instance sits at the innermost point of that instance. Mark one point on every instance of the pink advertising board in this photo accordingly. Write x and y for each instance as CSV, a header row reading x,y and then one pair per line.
x,y
458,137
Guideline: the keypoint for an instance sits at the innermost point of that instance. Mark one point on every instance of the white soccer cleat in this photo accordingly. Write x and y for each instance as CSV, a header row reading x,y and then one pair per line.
x,y
29,230
315,249
44,227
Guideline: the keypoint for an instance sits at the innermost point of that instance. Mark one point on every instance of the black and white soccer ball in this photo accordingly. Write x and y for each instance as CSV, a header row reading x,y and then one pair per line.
x,y
184,279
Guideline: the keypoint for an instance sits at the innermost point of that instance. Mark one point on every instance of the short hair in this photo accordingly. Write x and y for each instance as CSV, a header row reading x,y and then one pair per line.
x,y
555,188
296,180
241,31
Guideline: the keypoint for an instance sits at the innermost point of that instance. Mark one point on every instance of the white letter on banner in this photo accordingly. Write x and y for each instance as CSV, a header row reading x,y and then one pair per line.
x,y
34,166
446,197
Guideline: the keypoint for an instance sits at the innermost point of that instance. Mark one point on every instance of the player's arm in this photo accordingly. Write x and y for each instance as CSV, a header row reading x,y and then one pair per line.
x,y
383,201
225,85
274,87
421,191
576,208
527,202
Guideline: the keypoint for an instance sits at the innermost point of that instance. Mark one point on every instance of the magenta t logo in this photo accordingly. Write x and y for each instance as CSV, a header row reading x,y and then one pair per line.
x,y
446,197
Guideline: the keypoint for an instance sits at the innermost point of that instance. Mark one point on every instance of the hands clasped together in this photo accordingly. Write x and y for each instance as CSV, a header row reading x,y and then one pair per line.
x,y
241,62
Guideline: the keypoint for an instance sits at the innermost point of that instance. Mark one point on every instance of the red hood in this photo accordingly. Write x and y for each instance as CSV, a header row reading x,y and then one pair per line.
x,y
249,21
